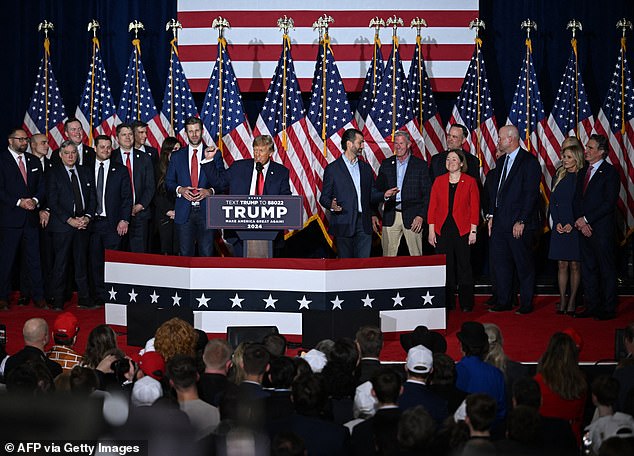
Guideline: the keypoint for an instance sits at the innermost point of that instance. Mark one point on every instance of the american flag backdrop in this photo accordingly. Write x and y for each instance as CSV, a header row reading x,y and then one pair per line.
x,y
426,116
253,39
178,104
527,114
96,109
137,102
370,84
616,122
571,115
46,113
224,120
474,110
327,117
391,111
283,118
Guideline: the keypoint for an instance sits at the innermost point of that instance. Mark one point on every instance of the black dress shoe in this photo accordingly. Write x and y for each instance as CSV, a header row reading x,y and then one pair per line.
x,y
85,303
585,314
500,309
23,301
4,305
604,316
524,310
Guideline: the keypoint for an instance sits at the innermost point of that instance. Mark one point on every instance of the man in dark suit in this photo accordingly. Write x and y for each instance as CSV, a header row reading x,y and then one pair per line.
x,y
75,133
185,178
513,220
113,210
403,212
369,340
256,176
139,130
141,174
71,199
39,149
348,192
456,138
594,207
21,190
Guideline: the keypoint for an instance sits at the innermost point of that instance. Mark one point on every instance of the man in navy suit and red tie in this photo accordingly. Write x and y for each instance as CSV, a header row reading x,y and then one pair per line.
x,y
185,178
21,190
512,218
141,173
403,212
594,206
255,176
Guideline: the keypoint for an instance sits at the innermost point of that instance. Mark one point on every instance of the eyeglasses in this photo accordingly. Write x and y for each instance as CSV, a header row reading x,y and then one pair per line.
x,y
19,139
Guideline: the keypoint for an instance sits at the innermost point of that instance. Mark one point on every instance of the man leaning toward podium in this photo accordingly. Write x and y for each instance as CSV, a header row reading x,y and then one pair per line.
x,y
254,176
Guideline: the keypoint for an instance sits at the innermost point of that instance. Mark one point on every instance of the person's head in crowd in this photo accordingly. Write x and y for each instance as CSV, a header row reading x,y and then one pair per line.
x,y
605,391
496,355
526,392
288,444
325,346
125,137
628,339
194,131
18,140
576,338
596,148
101,340
83,381
386,385
237,373
421,335
301,367
352,143
217,357
35,333
369,339
39,145
68,153
473,339
125,369
309,395
263,148
275,344
339,370
524,425
255,362
146,391
416,429
419,363
152,364
31,378
182,374
175,337
344,354
169,146
65,329
74,131
365,402
560,369
139,128
481,409
456,136
62,383
444,370
616,446
282,372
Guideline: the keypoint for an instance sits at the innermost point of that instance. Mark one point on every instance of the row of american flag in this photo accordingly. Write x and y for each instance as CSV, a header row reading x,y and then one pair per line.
x,y
308,138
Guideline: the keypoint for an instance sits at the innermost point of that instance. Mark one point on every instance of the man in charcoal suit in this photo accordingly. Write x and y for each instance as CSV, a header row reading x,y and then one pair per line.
x,y
75,133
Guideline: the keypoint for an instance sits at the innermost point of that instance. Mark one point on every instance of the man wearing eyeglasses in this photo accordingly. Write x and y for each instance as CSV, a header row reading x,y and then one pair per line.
x,y
21,190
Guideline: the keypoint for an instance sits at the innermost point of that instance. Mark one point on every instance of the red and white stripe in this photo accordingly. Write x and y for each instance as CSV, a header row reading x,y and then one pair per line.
x,y
107,127
237,144
55,135
254,38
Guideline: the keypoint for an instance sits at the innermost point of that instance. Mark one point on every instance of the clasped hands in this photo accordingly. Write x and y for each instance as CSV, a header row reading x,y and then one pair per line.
x,y
194,194
583,226
79,223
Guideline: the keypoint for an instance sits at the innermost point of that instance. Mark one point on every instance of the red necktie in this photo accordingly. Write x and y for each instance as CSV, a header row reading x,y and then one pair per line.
x,y
259,185
22,168
586,179
128,165
194,170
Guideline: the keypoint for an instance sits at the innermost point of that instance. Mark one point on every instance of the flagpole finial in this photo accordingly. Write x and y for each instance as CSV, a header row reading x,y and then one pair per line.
x,y
574,25
93,26
220,24
528,25
285,23
418,23
322,24
624,25
477,24
136,26
376,23
45,26
394,22
174,26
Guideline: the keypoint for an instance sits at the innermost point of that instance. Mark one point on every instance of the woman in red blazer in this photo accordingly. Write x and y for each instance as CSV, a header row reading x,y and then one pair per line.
x,y
453,216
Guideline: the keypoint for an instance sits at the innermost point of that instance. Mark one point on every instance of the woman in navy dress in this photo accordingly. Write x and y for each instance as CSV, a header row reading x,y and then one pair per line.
x,y
564,239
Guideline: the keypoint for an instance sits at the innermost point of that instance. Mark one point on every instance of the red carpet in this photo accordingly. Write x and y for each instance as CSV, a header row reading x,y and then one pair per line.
x,y
525,336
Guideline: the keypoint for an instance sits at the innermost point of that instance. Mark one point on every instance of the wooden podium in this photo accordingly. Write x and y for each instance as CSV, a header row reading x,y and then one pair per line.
x,y
257,220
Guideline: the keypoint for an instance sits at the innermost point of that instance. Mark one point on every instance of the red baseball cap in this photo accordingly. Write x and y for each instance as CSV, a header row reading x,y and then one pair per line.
x,y
152,364
66,325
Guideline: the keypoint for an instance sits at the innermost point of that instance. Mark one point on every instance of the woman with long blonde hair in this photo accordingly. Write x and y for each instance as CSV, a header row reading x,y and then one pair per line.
x,y
564,239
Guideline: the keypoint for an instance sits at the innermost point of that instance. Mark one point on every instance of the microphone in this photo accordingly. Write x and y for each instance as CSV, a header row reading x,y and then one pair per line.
x,y
259,167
